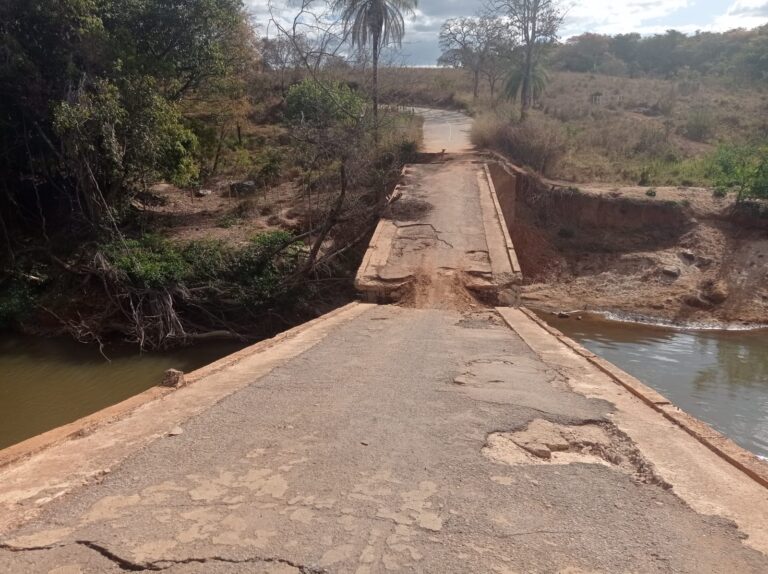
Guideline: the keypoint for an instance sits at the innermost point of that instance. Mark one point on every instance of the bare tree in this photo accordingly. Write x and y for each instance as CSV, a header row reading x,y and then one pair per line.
x,y
472,43
536,22
281,56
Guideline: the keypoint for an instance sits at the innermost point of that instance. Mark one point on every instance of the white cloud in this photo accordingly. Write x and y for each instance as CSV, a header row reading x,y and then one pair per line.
x,y
618,16
743,14
420,45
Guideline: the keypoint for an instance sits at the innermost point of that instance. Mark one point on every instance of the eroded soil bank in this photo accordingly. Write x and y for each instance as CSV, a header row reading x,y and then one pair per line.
x,y
680,255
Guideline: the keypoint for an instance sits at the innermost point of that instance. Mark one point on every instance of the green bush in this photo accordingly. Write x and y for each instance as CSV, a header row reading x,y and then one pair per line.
x,y
743,169
253,274
323,104
268,166
150,262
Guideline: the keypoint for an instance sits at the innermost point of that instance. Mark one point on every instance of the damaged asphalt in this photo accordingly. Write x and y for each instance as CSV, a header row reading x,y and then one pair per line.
x,y
363,454
432,439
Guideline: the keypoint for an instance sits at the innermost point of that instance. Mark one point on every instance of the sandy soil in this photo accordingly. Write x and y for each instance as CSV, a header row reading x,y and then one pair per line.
x,y
221,215
680,256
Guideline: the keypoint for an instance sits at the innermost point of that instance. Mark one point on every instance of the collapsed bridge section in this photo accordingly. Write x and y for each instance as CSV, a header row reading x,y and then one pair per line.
x,y
444,243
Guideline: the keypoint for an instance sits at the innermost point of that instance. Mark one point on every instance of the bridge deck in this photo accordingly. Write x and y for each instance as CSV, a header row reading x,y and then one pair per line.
x,y
450,437
387,441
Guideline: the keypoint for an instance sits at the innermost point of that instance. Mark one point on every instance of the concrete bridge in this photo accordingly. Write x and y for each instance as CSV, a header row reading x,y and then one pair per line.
x,y
450,432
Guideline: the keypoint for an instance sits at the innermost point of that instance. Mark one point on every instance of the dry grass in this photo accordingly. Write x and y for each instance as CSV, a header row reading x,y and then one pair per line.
x,y
614,129
539,144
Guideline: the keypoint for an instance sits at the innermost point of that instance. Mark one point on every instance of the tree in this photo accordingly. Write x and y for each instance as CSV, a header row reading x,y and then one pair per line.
x,y
514,84
477,44
501,58
585,53
280,57
536,22
374,23
92,98
742,168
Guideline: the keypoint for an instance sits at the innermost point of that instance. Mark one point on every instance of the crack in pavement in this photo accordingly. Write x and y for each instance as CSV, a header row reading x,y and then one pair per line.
x,y
436,231
161,565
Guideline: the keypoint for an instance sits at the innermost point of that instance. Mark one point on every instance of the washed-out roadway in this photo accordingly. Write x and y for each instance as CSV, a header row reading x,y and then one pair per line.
x,y
383,439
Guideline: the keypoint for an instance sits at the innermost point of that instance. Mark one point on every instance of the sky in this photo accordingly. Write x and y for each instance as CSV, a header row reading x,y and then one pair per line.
x,y
420,46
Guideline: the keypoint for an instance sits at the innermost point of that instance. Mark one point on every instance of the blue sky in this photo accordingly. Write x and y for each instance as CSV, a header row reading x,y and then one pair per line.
x,y
420,46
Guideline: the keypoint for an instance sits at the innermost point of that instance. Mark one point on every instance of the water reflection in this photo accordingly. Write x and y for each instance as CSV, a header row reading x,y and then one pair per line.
x,y
45,383
720,377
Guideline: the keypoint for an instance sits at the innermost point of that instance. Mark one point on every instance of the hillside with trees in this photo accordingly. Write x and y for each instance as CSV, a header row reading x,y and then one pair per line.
x,y
169,174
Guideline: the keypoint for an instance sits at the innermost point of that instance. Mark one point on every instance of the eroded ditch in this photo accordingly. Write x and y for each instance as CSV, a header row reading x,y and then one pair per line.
x,y
680,255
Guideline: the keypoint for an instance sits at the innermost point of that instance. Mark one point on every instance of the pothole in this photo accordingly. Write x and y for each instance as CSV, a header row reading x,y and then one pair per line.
x,y
546,443
480,320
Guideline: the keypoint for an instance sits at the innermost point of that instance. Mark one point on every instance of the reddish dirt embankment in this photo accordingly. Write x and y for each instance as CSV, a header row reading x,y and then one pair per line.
x,y
681,255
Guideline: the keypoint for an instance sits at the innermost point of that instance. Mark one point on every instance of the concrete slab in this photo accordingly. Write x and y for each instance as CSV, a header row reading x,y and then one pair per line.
x,y
385,443
420,243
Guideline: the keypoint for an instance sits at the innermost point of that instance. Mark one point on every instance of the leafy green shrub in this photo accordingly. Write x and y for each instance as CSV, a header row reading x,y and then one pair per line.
x,y
268,166
150,262
743,169
322,104
253,274
128,133
720,192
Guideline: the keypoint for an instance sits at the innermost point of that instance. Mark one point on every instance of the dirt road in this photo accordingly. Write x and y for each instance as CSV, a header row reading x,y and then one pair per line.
x,y
386,439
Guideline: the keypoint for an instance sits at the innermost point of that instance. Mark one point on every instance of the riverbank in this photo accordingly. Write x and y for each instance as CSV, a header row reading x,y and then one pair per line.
x,y
681,256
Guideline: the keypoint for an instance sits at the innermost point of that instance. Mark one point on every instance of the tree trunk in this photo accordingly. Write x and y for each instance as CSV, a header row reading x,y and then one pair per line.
x,y
330,221
475,84
527,87
376,87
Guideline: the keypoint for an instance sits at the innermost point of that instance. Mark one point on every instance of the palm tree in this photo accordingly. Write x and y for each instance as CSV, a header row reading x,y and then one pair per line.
x,y
516,85
374,23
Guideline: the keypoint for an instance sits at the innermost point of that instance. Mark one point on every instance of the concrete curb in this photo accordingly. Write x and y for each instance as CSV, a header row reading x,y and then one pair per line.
x,y
87,425
367,281
515,264
721,445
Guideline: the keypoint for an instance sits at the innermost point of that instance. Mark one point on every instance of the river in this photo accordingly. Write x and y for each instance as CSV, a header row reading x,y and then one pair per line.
x,y
46,383
720,377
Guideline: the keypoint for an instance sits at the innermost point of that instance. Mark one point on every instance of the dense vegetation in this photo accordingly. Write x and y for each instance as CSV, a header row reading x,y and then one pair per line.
x,y
167,174
739,54
102,100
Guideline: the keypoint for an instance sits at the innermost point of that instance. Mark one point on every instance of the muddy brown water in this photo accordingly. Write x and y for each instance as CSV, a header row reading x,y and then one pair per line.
x,y
720,377
46,383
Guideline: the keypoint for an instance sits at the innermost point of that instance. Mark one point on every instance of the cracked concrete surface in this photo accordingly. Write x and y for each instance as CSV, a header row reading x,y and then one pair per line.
x,y
442,244
359,456
445,251
387,439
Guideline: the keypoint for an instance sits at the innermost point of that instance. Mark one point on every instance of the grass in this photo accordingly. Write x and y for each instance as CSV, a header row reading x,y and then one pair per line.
x,y
599,128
